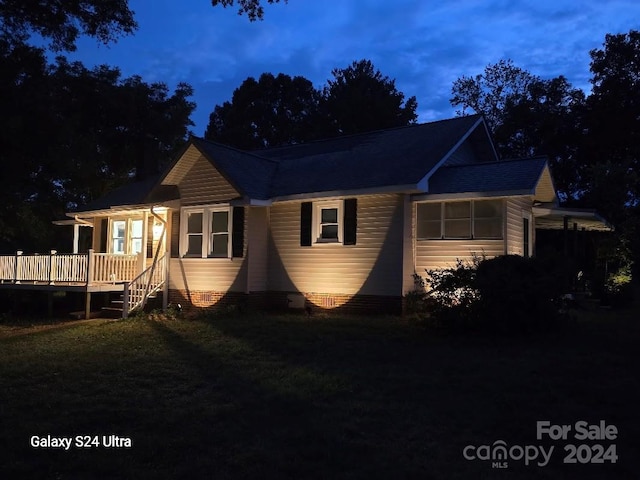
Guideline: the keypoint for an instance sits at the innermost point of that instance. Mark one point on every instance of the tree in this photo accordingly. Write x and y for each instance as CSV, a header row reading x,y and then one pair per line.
x,y
69,134
489,92
62,22
529,116
270,112
361,99
252,8
612,150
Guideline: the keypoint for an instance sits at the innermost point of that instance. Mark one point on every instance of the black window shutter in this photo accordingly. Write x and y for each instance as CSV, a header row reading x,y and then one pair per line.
x,y
237,233
104,226
350,221
150,222
175,234
305,224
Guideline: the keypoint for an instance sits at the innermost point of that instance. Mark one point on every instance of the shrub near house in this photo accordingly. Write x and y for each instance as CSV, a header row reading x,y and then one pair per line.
x,y
508,293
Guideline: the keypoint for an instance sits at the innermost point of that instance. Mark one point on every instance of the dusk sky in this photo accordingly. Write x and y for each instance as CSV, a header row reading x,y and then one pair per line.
x,y
424,45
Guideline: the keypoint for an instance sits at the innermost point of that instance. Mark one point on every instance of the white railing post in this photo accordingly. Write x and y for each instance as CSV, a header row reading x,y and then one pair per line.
x,y
52,276
90,266
141,263
17,268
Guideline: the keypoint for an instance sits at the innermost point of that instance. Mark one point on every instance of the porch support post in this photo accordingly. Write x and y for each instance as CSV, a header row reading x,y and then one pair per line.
x,y
76,236
90,266
17,267
87,305
575,240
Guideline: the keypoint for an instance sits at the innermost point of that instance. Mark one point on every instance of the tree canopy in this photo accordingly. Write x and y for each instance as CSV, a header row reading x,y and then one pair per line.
x,y
281,110
360,99
252,8
70,134
61,22
268,112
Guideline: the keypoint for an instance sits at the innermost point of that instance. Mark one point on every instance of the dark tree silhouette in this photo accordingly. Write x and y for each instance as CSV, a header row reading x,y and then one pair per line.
x,y
69,134
252,8
360,99
612,149
62,21
269,112
529,116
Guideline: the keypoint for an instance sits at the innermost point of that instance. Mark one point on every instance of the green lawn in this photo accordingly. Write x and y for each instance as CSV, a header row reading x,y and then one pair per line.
x,y
295,397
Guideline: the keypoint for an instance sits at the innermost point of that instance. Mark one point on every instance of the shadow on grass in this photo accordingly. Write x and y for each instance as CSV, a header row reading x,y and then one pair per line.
x,y
277,415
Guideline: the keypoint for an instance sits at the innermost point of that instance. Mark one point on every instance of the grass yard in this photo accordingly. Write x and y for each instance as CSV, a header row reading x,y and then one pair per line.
x,y
294,397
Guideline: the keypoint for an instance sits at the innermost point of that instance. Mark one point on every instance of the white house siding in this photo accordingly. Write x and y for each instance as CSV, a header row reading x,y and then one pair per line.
x,y
203,184
371,267
545,192
408,266
516,207
257,250
436,254
210,274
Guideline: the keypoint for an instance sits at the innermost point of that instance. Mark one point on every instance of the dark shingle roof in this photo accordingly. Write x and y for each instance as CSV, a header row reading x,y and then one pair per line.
x,y
503,176
135,193
249,173
399,156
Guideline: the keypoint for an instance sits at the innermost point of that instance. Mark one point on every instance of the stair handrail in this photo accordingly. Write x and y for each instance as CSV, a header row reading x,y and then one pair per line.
x,y
147,290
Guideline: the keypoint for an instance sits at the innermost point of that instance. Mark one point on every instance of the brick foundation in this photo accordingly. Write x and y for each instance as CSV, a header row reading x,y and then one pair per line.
x,y
339,303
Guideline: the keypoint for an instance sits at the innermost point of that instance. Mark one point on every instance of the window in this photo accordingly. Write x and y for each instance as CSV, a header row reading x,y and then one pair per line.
x,y
457,220
487,219
208,232
118,229
429,224
136,236
477,219
219,246
194,234
328,222
127,236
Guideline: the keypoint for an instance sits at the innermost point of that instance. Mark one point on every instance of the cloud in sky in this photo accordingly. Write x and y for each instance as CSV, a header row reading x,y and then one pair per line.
x,y
425,46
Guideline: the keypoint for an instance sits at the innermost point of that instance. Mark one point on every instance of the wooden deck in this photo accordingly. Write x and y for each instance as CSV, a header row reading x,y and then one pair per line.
x,y
86,273
98,272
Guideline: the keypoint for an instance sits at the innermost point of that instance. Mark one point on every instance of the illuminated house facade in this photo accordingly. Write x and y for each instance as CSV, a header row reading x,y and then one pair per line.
x,y
341,223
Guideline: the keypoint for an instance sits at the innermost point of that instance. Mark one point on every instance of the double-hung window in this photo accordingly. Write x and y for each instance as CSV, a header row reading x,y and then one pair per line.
x,y
207,232
477,219
127,236
328,222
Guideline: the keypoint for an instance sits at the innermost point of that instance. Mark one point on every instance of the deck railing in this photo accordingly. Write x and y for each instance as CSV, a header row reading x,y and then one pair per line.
x,y
138,290
85,268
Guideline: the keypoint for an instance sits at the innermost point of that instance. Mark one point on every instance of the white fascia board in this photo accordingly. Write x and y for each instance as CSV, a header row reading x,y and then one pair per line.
x,y
469,195
350,193
424,182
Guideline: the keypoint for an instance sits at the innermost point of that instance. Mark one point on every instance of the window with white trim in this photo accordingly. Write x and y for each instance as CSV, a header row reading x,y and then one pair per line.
x,y
206,232
476,219
127,236
328,222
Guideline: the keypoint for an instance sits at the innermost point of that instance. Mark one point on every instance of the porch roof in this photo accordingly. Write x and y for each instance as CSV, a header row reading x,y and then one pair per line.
x,y
138,194
549,217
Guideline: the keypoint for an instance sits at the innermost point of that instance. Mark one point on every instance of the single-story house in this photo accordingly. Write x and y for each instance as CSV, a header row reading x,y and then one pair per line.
x,y
339,223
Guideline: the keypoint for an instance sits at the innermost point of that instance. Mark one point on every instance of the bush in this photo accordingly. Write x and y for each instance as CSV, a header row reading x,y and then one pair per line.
x,y
508,293
454,294
516,294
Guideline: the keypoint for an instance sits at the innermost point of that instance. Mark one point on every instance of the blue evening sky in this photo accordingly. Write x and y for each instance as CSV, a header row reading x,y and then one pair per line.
x,y
425,45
